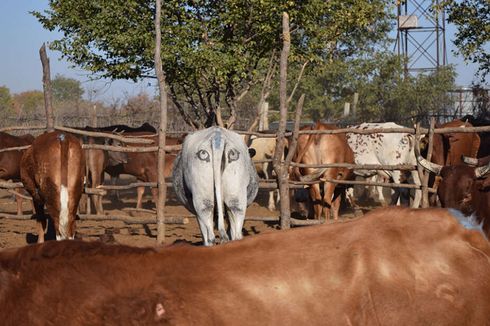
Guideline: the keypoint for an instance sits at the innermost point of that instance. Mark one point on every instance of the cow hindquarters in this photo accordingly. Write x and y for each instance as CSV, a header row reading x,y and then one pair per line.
x,y
217,146
27,174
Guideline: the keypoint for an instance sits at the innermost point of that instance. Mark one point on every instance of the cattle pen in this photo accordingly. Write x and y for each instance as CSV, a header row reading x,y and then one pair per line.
x,y
144,145
264,183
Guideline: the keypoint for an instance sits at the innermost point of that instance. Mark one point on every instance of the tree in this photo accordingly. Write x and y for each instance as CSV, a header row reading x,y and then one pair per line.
x,y
66,89
212,51
384,94
472,20
67,95
5,99
28,104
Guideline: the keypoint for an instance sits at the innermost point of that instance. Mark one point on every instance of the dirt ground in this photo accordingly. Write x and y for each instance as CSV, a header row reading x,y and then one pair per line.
x,y
16,233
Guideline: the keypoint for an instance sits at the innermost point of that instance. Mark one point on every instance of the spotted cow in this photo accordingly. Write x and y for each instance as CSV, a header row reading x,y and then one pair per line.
x,y
384,149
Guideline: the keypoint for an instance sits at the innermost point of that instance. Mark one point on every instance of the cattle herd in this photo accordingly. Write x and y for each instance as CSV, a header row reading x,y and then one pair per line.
x,y
394,265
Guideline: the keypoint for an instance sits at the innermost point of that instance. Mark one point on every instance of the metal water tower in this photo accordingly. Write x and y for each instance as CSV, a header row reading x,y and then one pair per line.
x,y
421,35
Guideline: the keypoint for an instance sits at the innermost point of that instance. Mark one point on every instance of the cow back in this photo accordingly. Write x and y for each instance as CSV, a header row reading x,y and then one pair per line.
x,y
399,267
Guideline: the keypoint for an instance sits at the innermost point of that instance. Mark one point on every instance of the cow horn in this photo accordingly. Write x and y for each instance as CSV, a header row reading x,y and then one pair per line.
x,y
482,171
469,160
432,167
313,176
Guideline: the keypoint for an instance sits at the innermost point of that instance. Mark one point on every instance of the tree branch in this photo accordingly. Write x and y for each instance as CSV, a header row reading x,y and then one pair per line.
x,y
297,81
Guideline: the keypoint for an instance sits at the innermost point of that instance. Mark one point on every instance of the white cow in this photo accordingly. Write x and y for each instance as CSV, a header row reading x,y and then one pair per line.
x,y
384,149
264,150
214,170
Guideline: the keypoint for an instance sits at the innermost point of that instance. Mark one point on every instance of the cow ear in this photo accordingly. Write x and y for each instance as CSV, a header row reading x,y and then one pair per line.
x,y
251,152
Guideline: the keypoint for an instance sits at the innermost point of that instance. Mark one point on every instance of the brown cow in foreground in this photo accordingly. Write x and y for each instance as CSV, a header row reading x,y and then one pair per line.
x,y
395,266
10,160
323,149
52,171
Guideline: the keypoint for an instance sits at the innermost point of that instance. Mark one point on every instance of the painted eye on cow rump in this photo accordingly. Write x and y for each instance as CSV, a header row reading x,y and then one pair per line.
x,y
203,155
233,155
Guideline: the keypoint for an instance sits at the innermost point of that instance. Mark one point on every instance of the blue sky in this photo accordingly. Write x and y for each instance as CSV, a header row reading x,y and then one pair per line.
x,y
21,36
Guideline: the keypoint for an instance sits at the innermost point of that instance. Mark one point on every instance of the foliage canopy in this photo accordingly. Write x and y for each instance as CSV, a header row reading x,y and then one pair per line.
x,y
212,51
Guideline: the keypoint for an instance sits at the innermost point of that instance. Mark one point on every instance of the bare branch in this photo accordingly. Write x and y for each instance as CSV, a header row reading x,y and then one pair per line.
x,y
297,81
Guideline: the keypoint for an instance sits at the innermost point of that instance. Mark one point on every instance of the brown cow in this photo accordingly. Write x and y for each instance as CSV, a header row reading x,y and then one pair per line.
x,y
52,171
324,149
98,160
448,148
10,160
464,188
395,266
144,165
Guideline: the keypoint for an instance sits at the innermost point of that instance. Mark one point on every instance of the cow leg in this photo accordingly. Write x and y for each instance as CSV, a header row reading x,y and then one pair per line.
x,y
379,189
349,194
41,220
38,211
336,203
97,199
316,197
139,191
266,167
236,207
236,218
272,204
113,182
328,193
18,199
154,194
206,224
418,192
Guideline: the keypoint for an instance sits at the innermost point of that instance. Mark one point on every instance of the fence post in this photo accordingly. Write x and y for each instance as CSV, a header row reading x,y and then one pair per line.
x,y
425,181
420,169
162,186
48,98
279,166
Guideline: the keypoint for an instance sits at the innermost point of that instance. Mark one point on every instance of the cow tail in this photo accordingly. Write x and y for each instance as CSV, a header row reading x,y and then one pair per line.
x,y
64,198
217,145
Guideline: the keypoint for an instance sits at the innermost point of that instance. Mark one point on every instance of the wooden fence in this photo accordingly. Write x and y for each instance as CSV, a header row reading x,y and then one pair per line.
x,y
264,184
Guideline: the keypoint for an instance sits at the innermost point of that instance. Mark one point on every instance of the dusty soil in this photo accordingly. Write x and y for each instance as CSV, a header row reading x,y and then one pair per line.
x,y
16,233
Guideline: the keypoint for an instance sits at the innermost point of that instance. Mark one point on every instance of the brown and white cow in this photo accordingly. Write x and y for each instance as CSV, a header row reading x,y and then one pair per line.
x,y
464,188
52,171
395,266
323,149
10,160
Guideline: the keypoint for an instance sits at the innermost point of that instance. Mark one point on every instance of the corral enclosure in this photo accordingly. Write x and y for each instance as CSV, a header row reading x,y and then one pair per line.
x,y
115,207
